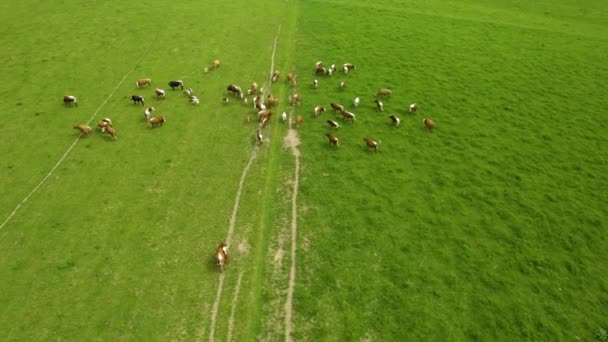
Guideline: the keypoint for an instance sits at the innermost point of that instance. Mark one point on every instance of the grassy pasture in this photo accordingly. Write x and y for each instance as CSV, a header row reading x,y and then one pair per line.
x,y
492,227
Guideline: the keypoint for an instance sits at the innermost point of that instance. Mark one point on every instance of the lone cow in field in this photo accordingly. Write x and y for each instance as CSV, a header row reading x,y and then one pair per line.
x,y
430,124
69,100
221,255
371,144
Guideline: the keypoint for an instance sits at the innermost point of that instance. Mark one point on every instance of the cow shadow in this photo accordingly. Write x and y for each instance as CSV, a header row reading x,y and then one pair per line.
x,y
210,264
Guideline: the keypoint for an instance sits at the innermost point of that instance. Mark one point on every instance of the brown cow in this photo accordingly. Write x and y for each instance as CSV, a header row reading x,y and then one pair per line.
x,y
349,116
333,140
333,124
299,120
104,123
384,92
371,143
272,101
84,129
235,90
430,124
160,93
221,255
110,131
216,64
157,121
295,99
337,107
319,110
143,82
253,89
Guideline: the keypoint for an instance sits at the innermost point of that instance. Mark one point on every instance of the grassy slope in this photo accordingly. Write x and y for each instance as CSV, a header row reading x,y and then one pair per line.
x,y
114,244
492,226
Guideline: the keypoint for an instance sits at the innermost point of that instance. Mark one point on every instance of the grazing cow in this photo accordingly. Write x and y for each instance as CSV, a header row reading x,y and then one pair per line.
x,y
148,112
194,100
395,120
345,70
253,89
69,99
109,130
384,92
225,100
221,255
349,116
295,99
175,84
320,70
84,129
143,82
315,84
216,64
275,76
206,70
137,98
371,143
333,140
188,92
342,85
256,101
379,105
235,90
258,136
260,106
319,110
104,123
272,101
160,93
413,108
430,124
263,114
284,116
291,77
299,120
348,66
356,102
332,69
333,124
157,121
318,64
337,107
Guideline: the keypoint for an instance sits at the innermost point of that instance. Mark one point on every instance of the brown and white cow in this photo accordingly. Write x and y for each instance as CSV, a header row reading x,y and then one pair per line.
x,y
413,108
221,255
347,67
143,82
318,110
348,116
188,92
333,140
342,85
216,64
235,90
157,121
299,120
315,83
258,136
337,107
109,130
160,94
320,70
84,129
104,123
70,99
430,124
291,78
275,76
371,144
333,124
384,92
253,89
295,99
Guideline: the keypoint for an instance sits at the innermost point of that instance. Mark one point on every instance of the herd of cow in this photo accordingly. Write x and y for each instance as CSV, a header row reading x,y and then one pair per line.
x,y
263,104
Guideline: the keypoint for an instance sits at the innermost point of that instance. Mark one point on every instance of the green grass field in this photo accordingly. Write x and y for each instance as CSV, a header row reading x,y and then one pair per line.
x,y
490,227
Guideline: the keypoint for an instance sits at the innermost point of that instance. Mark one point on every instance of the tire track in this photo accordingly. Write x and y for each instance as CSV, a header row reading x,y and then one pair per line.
x,y
67,152
292,141
232,223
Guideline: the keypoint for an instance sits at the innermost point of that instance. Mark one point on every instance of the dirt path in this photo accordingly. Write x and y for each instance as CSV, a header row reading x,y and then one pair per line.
x,y
67,152
292,141
235,299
